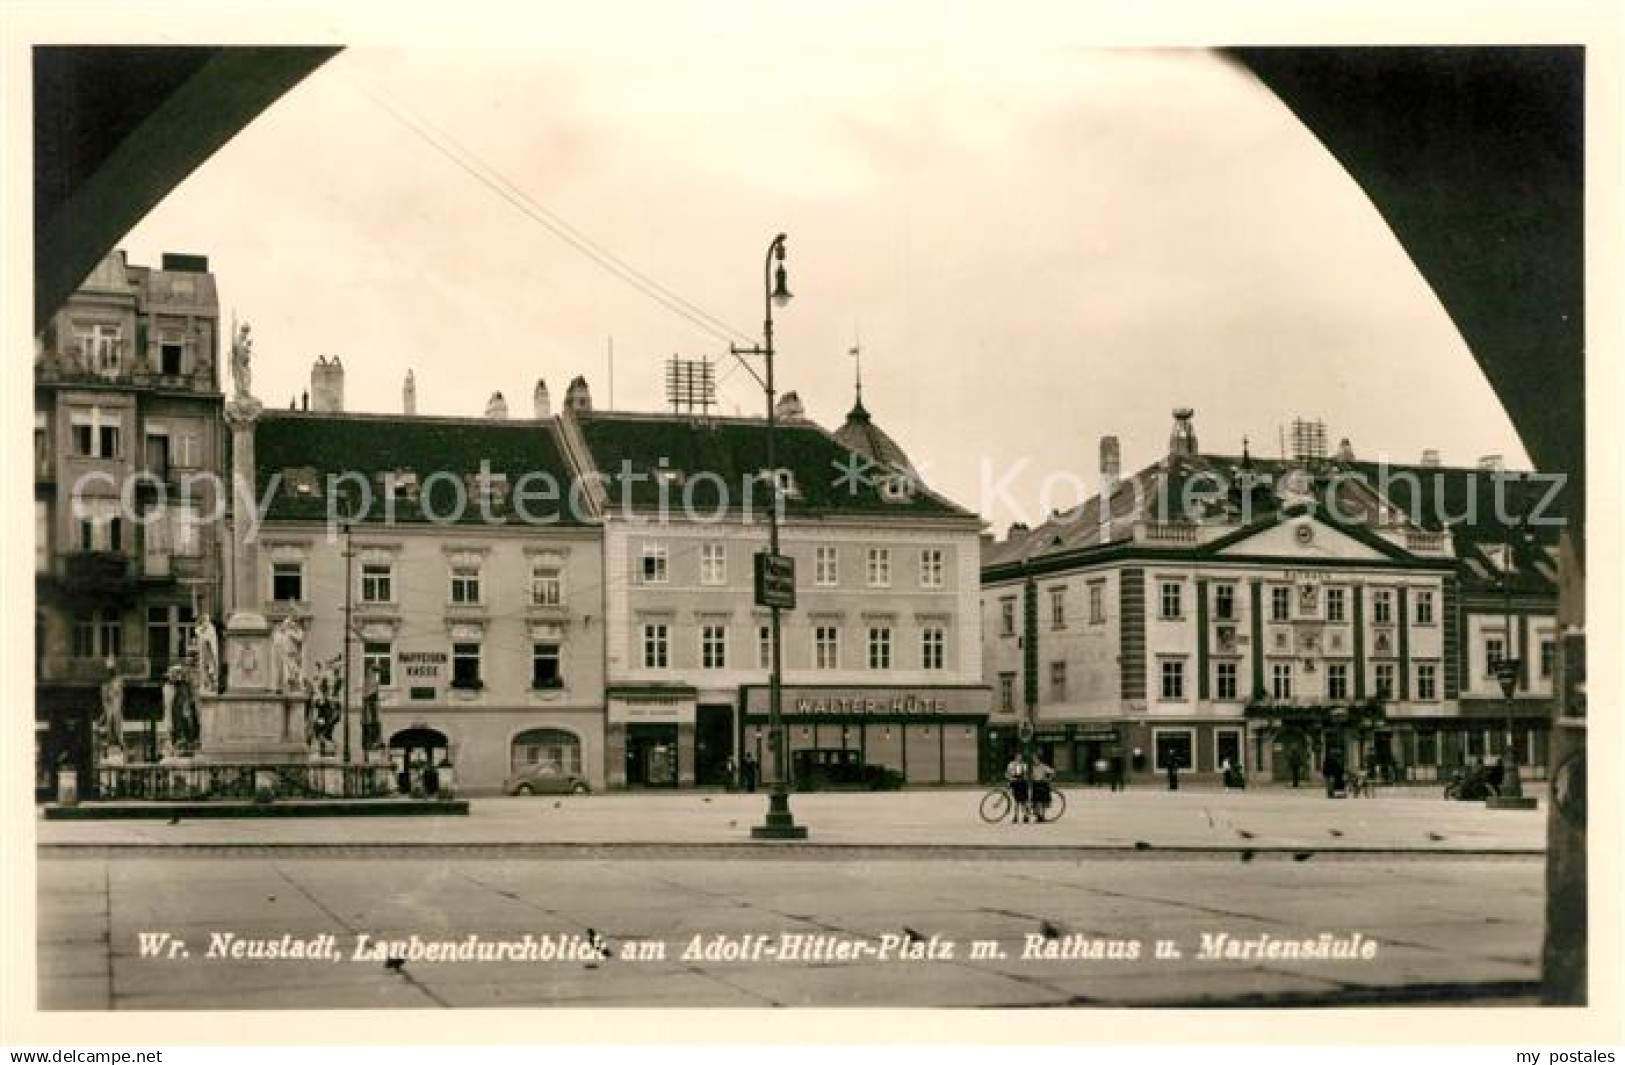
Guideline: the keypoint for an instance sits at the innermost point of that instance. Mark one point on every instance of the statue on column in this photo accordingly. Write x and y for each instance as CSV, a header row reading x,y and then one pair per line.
x,y
242,374
325,690
288,653
208,655
112,715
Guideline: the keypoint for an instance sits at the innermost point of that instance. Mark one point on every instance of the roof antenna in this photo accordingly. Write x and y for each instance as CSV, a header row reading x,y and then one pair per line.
x,y
856,351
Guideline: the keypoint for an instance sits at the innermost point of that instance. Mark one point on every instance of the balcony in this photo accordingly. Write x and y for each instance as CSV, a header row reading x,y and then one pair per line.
x,y
1161,532
1424,543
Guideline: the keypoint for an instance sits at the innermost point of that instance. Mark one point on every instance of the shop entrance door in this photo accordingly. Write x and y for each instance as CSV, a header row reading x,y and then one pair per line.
x,y
651,756
713,745
1292,751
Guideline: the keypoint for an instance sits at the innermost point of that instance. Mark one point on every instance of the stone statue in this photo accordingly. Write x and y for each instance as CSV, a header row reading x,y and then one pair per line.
x,y
242,376
182,710
112,718
288,641
208,654
371,733
324,701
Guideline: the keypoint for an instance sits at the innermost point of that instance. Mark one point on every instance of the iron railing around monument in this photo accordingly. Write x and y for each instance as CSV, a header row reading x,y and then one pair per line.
x,y
241,782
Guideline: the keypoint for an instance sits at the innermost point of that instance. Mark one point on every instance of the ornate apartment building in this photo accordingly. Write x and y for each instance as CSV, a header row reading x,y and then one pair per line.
x,y
1262,612
127,447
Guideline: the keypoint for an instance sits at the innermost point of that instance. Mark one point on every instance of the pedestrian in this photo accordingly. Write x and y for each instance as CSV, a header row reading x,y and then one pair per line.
x,y
1117,772
1173,771
1295,762
1015,775
730,774
1039,786
747,770
1332,769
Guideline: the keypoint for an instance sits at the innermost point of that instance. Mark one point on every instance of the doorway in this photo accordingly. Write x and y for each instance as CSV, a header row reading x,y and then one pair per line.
x,y
651,756
713,745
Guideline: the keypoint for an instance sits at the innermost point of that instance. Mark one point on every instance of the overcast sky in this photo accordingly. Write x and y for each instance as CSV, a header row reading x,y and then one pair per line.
x,y
1038,244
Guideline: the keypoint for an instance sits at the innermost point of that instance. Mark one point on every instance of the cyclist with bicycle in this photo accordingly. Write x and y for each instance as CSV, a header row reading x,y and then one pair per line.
x,y
1039,796
1015,775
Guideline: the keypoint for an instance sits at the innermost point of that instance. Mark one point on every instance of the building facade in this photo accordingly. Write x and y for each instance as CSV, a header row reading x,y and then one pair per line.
x,y
474,603
127,456
881,655
1212,609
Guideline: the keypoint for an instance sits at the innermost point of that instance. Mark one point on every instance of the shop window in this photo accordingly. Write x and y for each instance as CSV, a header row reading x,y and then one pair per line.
x,y
555,749
1174,747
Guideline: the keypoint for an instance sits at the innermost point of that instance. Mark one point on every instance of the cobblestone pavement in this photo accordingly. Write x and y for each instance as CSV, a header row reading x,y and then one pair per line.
x,y
1447,929
1261,819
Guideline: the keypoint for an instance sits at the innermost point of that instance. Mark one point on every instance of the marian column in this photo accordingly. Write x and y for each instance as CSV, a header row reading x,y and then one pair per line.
x,y
248,720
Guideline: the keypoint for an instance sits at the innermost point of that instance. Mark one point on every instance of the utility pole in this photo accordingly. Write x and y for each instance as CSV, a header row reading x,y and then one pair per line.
x,y
344,688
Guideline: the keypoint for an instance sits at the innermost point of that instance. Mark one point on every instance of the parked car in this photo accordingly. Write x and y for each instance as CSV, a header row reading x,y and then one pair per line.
x,y
545,780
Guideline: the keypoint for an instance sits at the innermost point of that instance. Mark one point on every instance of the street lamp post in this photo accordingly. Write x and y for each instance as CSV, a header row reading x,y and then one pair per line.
x,y
779,822
1511,795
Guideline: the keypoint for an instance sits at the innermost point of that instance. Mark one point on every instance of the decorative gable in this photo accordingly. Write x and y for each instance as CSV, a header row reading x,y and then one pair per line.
x,y
1303,537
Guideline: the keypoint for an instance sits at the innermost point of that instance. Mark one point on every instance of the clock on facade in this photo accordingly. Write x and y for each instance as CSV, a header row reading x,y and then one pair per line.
x,y
1305,533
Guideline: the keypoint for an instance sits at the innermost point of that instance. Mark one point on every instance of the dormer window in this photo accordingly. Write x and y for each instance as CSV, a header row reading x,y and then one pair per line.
x,y
490,489
783,481
669,477
402,485
897,488
301,482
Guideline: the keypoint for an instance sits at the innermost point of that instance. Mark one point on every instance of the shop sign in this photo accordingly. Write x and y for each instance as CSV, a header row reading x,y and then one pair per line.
x,y
651,711
873,702
422,663
1096,732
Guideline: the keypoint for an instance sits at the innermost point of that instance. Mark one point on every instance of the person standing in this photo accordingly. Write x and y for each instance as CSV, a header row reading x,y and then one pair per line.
x,y
1039,786
747,770
1015,775
1173,771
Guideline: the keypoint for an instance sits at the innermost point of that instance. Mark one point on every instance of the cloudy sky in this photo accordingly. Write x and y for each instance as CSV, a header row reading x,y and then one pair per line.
x,y
1037,243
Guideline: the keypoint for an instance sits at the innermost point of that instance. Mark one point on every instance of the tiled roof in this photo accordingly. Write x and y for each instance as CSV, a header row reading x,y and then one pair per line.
x,y
1209,489
735,450
861,434
297,444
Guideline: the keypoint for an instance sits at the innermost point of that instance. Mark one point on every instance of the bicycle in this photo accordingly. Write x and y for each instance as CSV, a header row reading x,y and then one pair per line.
x,y
1000,803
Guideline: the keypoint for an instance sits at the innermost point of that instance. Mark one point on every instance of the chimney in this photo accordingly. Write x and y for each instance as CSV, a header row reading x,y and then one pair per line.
x,y
409,395
1491,462
1182,441
578,398
541,403
1345,450
1111,464
327,386
790,409
496,407
1430,458
304,400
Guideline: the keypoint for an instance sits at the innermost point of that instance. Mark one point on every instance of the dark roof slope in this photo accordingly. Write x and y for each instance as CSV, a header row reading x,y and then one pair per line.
x,y
735,450
296,444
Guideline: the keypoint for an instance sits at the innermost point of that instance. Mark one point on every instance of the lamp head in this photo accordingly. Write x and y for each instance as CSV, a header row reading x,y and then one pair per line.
x,y
781,288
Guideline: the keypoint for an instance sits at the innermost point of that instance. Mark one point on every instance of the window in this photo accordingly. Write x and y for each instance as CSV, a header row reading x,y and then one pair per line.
x,y
100,528
169,358
465,585
1280,604
656,646
1548,657
933,647
826,567
879,568
1494,650
377,582
1281,680
1334,604
713,564
1171,600
1007,617
184,451
547,748
1173,747
827,647
655,564
1337,681
1427,748
42,536
1173,680
1224,686
465,666
95,433
379,657
1057,680
546,585
1097,603
98,634
764,647
1007,692
879,647
545,669
100,345
287,582
1385,680
1427,681
713,647
1424,608
1057,608
1382,606
931,567
186,527
169,631
1224,602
